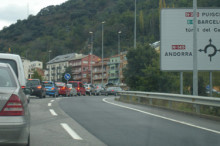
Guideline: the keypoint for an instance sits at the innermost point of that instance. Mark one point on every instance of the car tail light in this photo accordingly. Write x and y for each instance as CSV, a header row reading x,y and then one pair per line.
x,y
13,107
63,88
22,87
52,88
78,88
112,90
39,87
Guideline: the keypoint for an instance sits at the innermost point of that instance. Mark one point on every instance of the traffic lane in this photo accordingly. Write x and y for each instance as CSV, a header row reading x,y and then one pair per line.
x,y
49,129
118,126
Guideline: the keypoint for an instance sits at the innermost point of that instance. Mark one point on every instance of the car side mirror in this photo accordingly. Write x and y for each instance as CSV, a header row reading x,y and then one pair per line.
x,y
27,91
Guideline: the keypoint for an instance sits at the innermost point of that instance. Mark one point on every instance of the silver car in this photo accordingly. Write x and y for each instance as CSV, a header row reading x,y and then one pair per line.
x,y
14,112
73,91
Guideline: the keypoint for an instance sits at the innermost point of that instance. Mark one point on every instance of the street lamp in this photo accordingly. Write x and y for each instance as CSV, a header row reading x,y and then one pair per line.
x,y
119,32
91,53
102,47
135,23
49,66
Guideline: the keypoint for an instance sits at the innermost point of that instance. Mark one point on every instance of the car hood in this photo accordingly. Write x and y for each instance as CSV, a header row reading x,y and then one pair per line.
x,y
5,94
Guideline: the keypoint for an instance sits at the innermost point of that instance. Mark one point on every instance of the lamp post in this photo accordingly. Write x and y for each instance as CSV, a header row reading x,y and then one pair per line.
x,y
102,47
135,23
91,53
119,50
49,66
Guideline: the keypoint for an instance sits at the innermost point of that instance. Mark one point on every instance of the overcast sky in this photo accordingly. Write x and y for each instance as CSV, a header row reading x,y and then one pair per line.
x,y
13,10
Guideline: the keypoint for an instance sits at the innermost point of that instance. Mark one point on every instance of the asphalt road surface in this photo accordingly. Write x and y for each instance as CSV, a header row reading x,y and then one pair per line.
x,y
100,121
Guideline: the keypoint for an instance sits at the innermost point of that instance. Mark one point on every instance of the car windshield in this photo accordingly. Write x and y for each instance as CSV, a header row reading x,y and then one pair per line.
x,y
48,84
60,84
74,84
6,78
32,82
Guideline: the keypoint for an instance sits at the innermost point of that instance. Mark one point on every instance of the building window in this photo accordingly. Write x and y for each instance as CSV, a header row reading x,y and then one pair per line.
x,y
84,75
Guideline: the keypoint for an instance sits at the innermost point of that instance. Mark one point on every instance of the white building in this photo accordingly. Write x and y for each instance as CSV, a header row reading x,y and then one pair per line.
x,y
57,66
36,64
26,65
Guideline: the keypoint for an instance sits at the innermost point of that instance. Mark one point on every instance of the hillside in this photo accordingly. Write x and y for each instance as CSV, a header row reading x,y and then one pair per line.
x,y
65,28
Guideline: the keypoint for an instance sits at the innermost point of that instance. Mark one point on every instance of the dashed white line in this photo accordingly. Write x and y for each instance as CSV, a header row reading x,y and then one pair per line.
x,y
52,101
49,104
53,112
162,117
71,132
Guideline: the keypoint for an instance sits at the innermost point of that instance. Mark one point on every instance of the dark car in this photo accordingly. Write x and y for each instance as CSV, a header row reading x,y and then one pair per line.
x,y
63,89
51,88
112,91
37,88
98,90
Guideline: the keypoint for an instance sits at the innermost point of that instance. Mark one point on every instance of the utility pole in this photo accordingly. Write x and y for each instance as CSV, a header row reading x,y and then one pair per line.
x,y
91,58
102,48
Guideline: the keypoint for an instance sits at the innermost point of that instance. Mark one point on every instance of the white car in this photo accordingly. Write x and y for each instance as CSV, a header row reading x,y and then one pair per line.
x,y
16,64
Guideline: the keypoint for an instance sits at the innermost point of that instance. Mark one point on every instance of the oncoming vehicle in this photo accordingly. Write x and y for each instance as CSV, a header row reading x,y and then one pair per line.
x,y
63,89
79,87
51,88
14,112
37,88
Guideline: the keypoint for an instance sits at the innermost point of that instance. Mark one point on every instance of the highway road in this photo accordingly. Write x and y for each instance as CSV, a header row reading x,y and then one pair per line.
x,y
100,121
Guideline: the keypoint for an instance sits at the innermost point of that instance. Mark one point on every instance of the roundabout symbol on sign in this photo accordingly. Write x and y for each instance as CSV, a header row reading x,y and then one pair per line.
x,y
210,46
67,76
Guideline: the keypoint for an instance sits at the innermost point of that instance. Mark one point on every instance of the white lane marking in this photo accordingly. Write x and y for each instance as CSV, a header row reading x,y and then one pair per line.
x,y
49,104
71,132
53,112
162,117
52,101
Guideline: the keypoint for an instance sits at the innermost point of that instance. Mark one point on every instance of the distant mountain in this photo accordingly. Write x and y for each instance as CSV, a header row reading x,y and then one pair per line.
x,y
65,28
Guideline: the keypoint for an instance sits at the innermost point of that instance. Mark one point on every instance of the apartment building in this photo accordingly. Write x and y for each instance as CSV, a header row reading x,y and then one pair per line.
x,y
57,66
81,67
97,71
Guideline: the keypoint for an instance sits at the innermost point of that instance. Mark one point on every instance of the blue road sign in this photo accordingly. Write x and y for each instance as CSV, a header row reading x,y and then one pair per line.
x,y
67,76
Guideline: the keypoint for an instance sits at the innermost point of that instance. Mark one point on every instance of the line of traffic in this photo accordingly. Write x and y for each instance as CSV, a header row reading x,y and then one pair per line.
x,y
162,117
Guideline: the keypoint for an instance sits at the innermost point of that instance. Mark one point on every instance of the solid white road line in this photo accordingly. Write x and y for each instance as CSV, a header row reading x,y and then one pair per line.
x,y
49,104
71,132
53,112
162,117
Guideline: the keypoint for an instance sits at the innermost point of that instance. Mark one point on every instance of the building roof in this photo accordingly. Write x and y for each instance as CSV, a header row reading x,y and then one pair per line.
x,y
63,58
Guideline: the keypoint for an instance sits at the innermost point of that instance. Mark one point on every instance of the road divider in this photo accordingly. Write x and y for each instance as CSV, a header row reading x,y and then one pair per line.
x,y
70,131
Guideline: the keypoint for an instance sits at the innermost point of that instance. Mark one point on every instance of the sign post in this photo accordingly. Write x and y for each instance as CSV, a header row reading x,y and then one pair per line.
x,y
67,76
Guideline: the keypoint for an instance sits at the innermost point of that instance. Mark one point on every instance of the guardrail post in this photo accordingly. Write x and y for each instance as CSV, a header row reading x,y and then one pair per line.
x,y
150,101
197,108
170,104
139,99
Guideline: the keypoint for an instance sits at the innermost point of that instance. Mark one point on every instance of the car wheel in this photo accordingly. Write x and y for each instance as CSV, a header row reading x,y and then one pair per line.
x,y
79,94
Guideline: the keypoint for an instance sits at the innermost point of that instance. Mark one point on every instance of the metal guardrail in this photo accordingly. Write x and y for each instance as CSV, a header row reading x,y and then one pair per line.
x,y
196,100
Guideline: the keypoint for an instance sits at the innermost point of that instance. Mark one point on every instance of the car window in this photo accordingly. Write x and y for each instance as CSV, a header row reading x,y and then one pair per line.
x,y
12,63
60,84
32,82
75,84
6,78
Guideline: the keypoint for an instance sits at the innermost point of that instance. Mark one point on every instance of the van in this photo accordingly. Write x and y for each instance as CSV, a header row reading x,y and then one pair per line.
x,y
16,64
79,87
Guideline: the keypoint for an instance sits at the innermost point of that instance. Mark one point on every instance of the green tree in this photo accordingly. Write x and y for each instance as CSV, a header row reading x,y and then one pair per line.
x,y
37,76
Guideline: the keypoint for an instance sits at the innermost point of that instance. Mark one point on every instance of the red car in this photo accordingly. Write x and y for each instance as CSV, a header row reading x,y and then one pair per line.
x,y
79,87
63,89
